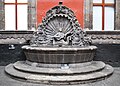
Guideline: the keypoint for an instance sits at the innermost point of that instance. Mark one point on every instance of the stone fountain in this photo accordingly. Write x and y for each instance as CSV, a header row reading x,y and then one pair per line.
x,y
59,53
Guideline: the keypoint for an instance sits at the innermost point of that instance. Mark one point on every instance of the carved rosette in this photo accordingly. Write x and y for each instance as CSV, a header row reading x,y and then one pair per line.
x,y
60,27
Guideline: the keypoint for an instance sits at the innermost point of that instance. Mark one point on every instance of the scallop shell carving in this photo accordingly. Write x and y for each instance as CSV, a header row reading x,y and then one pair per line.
x,y
56,23
60,27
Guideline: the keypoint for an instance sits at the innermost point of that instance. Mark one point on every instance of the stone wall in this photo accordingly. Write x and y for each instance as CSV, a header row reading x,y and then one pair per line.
x,y
108,53
8,55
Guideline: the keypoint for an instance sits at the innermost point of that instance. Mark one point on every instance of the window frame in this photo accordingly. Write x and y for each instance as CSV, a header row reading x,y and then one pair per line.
x,y
103,5
16,10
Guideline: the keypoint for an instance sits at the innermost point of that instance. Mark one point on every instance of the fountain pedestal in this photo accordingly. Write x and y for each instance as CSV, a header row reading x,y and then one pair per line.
x,y
59,74
59,53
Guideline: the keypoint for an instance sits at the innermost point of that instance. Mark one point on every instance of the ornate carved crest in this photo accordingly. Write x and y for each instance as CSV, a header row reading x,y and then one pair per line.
x,y
60,28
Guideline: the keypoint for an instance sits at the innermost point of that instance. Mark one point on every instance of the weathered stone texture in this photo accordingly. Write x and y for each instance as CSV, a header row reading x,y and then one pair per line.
x,y
114,80
15,37
2,17
106,37
31,14
98,37
88,8
117,27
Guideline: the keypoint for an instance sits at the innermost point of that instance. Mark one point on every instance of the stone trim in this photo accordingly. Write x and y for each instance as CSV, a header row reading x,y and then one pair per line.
x,y
88,14
16,34
2,15
117,13
104,37
31,14
98,37
15,37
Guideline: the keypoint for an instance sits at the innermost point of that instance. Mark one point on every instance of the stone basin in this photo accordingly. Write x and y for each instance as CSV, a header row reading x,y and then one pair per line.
x,y
59,55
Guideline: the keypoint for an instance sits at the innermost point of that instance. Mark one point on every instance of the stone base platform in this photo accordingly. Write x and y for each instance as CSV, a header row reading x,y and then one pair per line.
x,y
59,73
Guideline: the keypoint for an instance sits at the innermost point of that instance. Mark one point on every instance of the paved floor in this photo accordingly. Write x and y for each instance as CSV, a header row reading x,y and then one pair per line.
x,y
114,80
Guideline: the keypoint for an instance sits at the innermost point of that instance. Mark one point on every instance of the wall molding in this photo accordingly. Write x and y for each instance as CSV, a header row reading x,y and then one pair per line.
x,y
104,37
15,37
21,37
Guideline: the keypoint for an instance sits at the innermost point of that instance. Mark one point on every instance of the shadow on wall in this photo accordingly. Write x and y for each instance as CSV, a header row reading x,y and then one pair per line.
x,y
10,54
108,53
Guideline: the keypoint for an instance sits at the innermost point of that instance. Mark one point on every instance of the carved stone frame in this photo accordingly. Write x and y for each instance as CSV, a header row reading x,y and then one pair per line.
x,y
117,13
88,14
2,15
32,14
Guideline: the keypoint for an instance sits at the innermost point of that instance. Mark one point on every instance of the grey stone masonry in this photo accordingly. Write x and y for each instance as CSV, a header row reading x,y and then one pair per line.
x,y
88,8
31,14
68,79
2,17
114,80
98,37
78,68
104,37
117,22
15,37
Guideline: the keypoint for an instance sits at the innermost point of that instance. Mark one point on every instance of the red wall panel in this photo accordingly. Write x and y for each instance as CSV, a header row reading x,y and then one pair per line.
x,y
76,5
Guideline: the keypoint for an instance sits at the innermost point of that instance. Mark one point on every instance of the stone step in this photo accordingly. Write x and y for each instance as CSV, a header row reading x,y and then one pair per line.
x,y
94,66
45,65
59,79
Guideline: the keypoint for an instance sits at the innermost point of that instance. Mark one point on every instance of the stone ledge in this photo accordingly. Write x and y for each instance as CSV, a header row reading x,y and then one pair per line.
x,y
94,66
98,37
113,80
58,79
55,55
